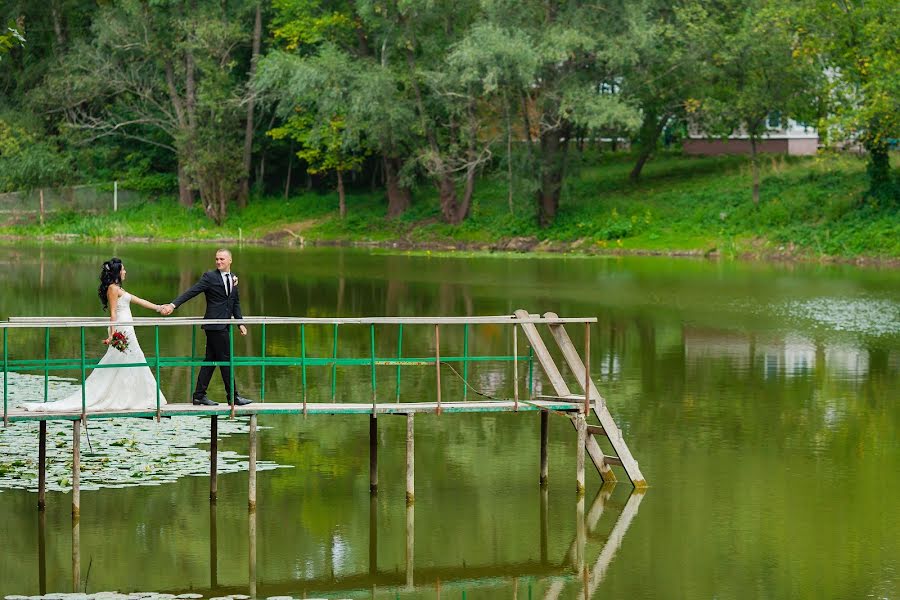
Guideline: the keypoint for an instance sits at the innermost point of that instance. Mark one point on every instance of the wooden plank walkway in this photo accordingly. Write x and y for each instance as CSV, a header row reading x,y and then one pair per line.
x,y
312,408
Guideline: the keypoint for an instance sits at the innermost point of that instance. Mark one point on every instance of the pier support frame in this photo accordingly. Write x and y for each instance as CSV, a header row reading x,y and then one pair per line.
x,y
76,468
545,434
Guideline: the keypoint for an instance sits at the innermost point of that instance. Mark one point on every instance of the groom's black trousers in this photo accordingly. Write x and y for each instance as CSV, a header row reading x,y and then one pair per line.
x,y
216,350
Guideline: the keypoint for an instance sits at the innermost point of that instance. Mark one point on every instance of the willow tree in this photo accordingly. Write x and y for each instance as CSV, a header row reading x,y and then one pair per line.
x,y
163,74
857,43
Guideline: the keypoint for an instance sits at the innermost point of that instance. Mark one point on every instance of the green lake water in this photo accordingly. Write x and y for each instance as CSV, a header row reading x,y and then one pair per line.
x,y
761,400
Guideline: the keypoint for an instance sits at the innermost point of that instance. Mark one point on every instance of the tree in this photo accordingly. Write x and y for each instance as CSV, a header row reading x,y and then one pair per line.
x,y
581,56
166,76
366,85
757,82
856,42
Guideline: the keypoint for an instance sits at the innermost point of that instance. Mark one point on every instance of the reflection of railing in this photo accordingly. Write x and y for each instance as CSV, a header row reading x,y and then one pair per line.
x,y
577,407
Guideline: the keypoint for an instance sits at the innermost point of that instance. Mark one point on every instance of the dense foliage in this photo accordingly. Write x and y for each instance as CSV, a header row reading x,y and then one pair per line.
x,y
216,98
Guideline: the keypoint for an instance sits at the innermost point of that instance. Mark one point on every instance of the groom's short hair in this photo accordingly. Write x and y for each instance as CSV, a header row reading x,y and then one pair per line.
x,y
226,250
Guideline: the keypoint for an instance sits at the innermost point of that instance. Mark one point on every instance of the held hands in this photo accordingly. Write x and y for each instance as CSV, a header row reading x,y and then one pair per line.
x,y
166,309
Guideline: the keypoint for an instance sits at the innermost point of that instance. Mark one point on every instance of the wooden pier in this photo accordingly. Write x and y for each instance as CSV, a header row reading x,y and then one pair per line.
x,y
579,408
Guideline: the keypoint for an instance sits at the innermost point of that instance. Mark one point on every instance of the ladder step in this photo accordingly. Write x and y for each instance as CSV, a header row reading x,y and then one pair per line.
x,y
596,430
613,460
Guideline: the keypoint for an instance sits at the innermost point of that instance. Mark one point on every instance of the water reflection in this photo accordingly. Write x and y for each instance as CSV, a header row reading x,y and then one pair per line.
x,y
577,573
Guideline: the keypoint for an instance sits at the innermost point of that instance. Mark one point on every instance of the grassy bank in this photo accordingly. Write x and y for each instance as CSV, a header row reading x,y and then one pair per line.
x,y
810,207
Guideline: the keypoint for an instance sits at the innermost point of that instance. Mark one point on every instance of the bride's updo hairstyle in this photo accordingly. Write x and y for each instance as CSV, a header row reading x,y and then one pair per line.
x,y
110,273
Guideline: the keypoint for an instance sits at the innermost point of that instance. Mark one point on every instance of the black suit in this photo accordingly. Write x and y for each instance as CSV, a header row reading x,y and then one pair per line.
x,y
219,305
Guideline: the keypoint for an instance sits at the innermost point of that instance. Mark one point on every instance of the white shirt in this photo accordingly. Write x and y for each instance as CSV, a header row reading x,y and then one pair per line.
x,y
226,282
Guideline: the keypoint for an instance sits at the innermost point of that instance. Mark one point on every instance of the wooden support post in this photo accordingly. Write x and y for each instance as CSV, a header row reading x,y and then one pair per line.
x,y
373,454
76,468
581,426
213,458
42,466
252,466
410,461
545,434
410,542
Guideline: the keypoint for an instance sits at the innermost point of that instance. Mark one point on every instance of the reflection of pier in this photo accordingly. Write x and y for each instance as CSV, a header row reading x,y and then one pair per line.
x,y
574,571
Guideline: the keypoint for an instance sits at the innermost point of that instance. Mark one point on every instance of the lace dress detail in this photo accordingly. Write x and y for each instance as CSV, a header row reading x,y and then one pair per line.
x,y
110,388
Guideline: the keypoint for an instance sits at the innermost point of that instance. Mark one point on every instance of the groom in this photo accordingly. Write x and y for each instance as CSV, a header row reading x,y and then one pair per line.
x,y
222,302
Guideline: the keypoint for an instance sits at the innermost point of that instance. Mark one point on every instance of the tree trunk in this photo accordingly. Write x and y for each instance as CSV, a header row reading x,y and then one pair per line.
x,y
552,168
185,193
41,192
447,193
879,165
755,166
509,169
287,183
244,189
342,206
399,196
651,128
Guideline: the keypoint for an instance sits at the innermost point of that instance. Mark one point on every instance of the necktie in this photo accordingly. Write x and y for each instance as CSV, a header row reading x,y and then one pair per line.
x,y
227,284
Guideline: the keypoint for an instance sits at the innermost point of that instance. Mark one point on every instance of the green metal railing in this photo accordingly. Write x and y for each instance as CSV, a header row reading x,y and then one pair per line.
x,y
303,361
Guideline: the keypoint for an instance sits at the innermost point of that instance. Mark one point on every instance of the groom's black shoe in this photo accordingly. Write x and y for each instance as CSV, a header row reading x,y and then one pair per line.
x,y
204,401
241,401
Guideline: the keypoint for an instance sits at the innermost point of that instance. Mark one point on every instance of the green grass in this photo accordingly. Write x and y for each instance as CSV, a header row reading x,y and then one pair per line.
x,y
808,207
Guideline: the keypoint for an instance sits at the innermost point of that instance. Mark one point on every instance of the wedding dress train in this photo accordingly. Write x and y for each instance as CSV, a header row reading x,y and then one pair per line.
x,y
111,388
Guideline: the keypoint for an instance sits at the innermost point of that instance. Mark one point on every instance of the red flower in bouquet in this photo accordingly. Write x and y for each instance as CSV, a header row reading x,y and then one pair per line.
x,y
119,341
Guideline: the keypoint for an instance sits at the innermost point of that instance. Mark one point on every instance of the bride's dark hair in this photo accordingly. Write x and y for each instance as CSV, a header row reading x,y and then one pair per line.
x,y
109,274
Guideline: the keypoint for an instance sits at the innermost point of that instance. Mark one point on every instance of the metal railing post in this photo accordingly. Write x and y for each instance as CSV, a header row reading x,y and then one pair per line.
x,y
46,359
516,366
83,374
193,358
303,364
465,362
334,365
587,369
231,369
156,361
437,363
374,383
262,374
399,356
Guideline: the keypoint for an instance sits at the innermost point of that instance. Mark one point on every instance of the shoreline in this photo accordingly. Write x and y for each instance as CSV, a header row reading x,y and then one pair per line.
x,y
514,246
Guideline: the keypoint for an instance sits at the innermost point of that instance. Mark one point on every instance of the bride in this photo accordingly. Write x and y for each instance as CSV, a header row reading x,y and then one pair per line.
x,y
112,388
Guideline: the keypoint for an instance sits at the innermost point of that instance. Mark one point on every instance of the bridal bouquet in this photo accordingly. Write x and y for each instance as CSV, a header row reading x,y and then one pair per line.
x,y
119,341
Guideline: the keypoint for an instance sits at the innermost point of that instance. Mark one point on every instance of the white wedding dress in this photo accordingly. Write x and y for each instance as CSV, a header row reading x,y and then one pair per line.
x,y
110,388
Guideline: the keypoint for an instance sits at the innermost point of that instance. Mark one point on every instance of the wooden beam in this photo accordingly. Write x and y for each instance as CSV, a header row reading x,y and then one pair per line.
x,y
598,403
251,501
42,466
562,390
76,468
545,435
410,460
